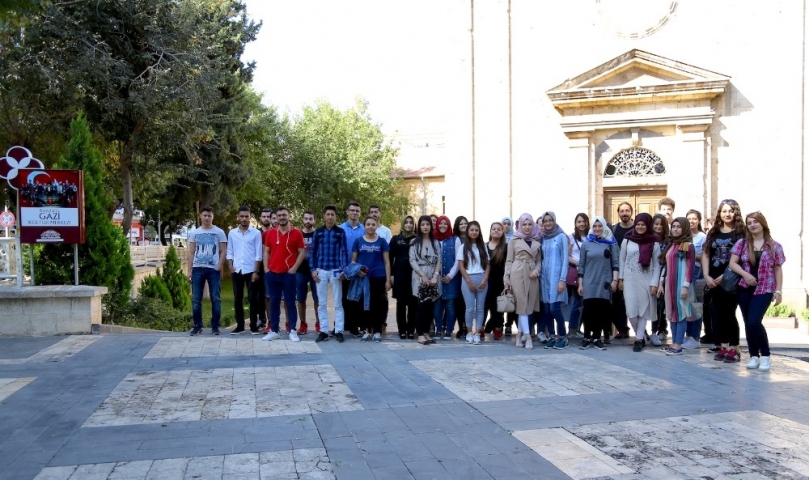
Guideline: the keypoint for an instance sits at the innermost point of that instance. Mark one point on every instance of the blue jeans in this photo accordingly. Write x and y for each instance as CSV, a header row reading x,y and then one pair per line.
x,y
444,323
575,308
678,331
694,329
753,308
474,301
551,311
200,275
303,283
274,285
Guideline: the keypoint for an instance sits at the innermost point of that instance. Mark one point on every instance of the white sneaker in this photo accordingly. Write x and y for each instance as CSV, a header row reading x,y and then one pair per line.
x,y
690,343
469,338
765,364
753,363
271,336
656,340
542,337
476,339
293,335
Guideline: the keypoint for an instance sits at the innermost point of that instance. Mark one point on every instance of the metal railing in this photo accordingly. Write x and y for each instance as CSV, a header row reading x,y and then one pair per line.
x,y
153,255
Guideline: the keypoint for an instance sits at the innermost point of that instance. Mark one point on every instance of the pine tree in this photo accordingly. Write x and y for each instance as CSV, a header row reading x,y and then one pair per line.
x,y
176,281
104,258
153,286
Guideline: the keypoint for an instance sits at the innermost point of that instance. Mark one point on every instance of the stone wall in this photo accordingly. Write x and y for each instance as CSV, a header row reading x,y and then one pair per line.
x,y
50,310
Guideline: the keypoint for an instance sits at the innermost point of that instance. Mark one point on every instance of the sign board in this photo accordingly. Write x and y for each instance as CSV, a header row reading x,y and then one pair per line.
x,y
7,219
51,206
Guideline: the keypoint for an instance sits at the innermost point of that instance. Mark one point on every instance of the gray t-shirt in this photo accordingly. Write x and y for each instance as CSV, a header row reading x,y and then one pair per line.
x,y
206,248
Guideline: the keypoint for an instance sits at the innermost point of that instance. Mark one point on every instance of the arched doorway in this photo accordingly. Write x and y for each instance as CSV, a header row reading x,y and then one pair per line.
x,y
633,175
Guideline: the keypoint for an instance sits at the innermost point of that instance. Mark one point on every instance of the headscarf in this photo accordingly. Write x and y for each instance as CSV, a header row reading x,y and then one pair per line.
x,y
606,237
511,228
442,236
646,241
556,230
404,232
536,233
683,240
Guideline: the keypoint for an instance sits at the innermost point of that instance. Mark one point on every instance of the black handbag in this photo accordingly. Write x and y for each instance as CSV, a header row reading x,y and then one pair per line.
x,y
730,280
428,292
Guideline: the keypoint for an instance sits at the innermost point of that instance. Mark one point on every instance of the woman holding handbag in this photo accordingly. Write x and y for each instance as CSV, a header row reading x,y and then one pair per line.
x,y
496,249
728,228
758,259
522,272
425,260
581,228
597,281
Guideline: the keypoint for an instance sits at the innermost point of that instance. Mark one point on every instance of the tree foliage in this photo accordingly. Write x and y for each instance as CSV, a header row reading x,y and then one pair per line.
x,y
176,281
153,286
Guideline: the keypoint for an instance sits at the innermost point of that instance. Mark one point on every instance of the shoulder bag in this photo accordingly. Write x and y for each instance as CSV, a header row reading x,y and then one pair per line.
x,y
506,302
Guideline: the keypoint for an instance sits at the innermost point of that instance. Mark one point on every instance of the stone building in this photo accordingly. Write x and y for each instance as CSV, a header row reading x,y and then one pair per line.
x,y
577,105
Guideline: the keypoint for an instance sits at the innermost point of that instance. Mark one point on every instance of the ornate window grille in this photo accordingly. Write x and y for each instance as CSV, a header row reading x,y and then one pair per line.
x,y
635,162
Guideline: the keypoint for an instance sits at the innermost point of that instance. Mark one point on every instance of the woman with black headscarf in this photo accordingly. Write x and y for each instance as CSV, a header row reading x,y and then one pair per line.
x,y
638,276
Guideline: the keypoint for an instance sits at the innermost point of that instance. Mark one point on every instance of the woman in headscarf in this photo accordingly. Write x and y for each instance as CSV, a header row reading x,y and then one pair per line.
x,y
598,280
552,281
678,282
639,275
459,230
522,270
406,303
450,280
508,228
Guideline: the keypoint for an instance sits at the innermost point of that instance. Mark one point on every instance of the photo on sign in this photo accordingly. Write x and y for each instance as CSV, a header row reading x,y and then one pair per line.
x,y
52,189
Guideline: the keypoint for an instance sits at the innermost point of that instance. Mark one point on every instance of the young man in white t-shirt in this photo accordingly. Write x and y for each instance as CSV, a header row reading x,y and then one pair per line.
x,y
207,247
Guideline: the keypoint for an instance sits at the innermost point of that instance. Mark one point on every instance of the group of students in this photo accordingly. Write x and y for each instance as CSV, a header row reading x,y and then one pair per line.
x,y
640,271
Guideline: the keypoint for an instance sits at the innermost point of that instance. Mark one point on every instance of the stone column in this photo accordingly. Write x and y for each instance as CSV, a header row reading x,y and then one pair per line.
x,y
581,193
690,175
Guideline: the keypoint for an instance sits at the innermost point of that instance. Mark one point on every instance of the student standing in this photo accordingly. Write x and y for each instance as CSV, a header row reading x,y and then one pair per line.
x,y
660,227
373,253
244,254
553,287
758,259
206,248
303,277
444,312
283,254
694,330
425,260
625,212
598,281
402,273
327,262
678,282
353,229
639,275
581,228
459,230
523,266
497,249
728,228
473,261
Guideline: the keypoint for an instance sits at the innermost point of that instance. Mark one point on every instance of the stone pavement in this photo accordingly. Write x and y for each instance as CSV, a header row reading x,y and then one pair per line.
x,y
168,406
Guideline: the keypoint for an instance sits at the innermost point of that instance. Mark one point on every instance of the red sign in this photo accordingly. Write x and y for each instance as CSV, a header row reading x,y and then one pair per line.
x,y
51,205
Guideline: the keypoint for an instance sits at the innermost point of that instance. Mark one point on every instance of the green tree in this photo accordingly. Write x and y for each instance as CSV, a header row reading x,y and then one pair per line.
x,y
153,286
104,259
176,281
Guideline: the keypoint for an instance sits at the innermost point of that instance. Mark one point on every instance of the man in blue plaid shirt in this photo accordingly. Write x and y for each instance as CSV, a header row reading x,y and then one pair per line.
x,y
327,260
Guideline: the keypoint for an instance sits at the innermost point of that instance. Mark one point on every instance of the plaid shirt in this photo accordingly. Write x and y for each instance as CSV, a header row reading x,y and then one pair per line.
x,y
766,269
329,250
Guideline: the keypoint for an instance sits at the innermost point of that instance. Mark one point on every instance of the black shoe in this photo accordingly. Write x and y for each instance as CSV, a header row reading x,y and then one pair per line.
x,y
255,332
196,331
706,340
237,330
356,333
402,336
339,336
410,336
215,332
331,333
508,331
322,337
607,340
715,349
597,343
638,346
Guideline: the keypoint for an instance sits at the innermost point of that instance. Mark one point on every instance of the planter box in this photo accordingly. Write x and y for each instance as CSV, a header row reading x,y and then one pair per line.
x,y
780,322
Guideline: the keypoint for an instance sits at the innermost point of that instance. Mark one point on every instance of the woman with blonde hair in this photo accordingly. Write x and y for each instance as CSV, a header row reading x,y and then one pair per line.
x,y
523,266
758,259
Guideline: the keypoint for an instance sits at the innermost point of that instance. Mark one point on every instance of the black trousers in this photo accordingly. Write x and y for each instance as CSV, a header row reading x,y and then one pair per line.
x,y
723,316
240,281
619,312
373,318
352,310
258,306
406,314
424,317
596,314
495,318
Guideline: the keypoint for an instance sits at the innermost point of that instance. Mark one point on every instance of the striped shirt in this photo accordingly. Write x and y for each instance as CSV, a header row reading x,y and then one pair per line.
x,y
329,249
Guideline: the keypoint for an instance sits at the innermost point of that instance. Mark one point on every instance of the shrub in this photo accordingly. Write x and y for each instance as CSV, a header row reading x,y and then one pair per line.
x,y
176,281
782,310
154,287
154,314
805,314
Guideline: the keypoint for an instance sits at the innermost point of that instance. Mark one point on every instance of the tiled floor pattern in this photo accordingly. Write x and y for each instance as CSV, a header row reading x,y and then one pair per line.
x,y
176,347
736,445
59,352
191,395
527,376
306,464
784,369
11,385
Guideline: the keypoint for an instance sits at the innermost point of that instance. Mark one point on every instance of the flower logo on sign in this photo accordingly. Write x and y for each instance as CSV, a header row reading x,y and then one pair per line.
x,y
16,159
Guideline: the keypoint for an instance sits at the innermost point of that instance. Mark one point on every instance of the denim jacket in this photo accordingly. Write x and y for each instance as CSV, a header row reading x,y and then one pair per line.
x,y
359,286
452,289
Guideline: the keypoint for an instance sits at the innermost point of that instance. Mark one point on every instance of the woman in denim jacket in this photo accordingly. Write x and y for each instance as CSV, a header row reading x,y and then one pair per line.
x,y
450,281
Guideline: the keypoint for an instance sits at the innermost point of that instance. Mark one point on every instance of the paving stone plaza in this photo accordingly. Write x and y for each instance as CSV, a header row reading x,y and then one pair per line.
x,y
169,406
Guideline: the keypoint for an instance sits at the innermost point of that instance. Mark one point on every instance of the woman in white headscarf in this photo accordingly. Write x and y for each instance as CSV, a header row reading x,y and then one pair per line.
x,y
598,280
522,270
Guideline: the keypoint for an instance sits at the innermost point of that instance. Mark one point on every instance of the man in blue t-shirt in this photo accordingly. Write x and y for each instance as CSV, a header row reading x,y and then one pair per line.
x,y
207,247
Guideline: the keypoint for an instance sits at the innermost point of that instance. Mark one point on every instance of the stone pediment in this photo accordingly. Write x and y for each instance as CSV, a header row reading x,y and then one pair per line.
x,y
637,77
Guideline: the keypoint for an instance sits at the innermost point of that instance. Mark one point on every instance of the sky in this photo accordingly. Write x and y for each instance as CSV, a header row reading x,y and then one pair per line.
x,y
394,53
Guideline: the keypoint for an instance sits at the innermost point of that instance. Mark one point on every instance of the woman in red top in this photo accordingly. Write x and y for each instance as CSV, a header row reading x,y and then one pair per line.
x,y
758,259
